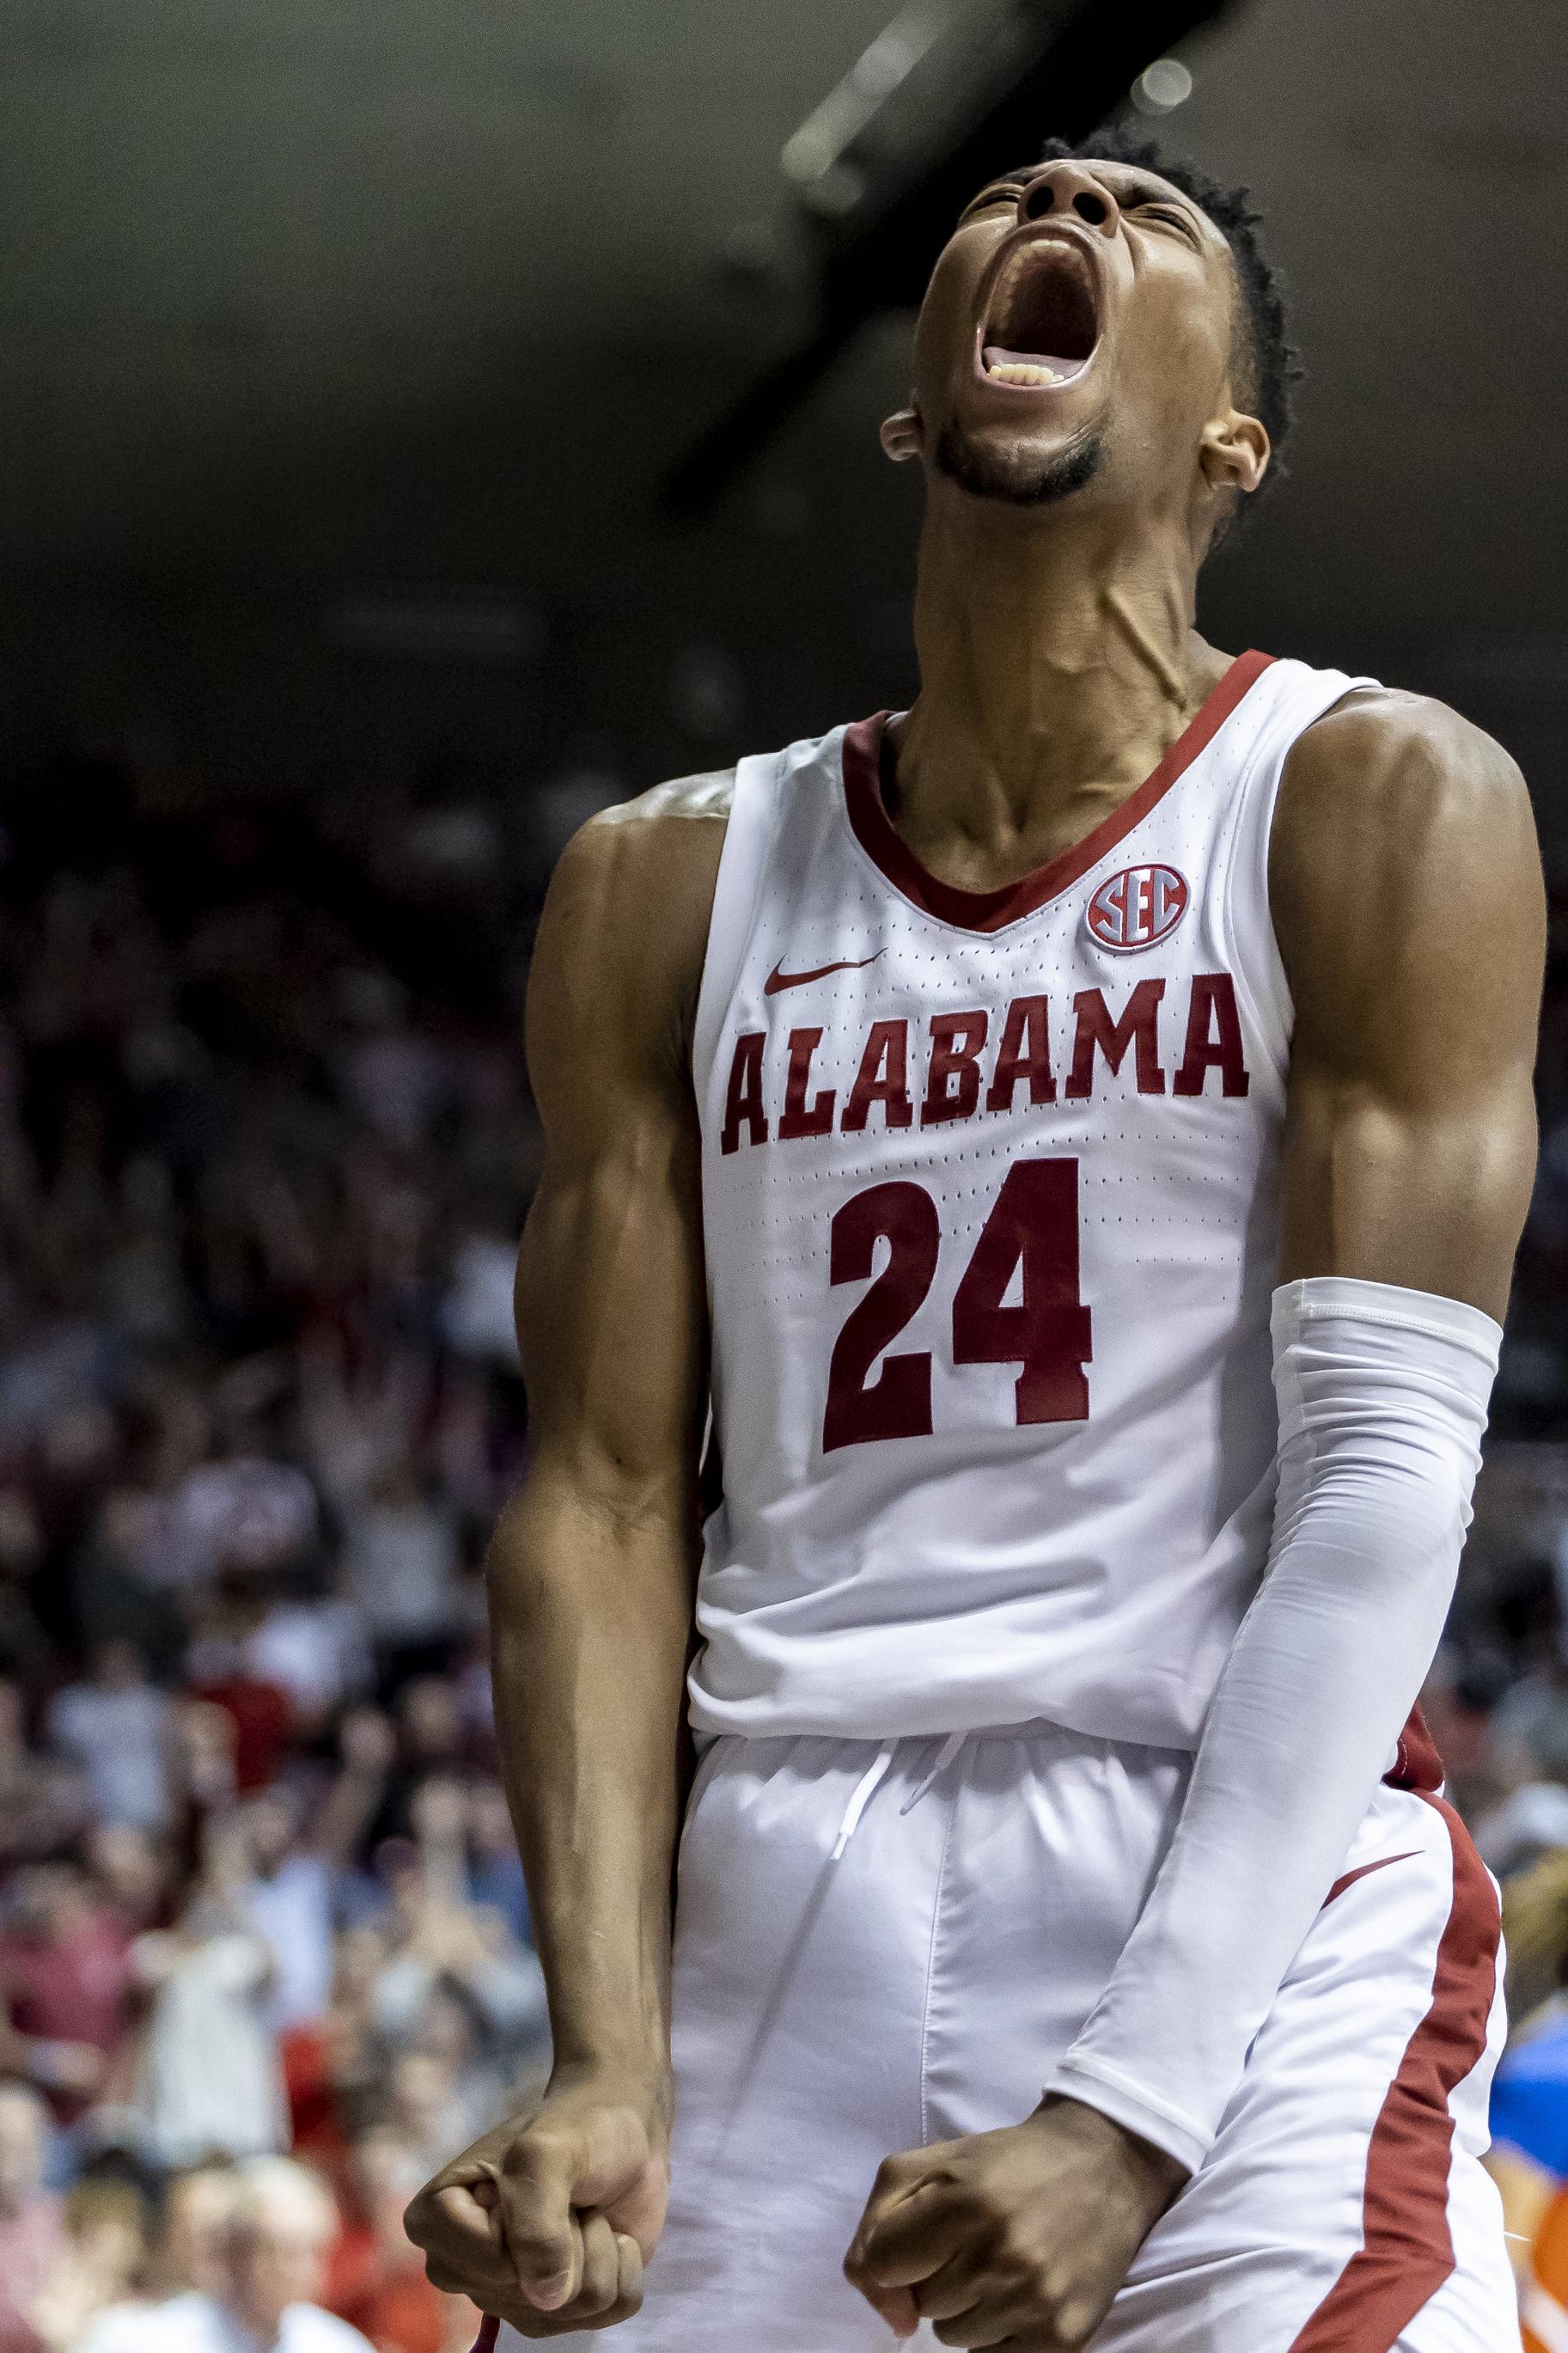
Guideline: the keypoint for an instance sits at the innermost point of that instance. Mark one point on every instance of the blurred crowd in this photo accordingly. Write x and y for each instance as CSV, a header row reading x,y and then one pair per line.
x,y
264,1960
265,1957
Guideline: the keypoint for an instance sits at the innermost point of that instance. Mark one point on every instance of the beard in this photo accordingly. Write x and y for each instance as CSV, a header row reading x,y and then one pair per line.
x,y
1010,476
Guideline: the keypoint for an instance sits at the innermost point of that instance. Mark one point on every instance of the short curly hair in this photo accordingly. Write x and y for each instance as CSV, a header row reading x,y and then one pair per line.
x,y
1271,368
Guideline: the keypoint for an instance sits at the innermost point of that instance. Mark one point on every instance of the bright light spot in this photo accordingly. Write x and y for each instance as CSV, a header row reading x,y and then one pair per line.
x,y
832,127
1162,86
808,153
834,191
885,63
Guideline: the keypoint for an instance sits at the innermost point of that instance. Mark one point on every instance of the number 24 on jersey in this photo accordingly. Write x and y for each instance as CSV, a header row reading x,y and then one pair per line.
x,y
1028,1245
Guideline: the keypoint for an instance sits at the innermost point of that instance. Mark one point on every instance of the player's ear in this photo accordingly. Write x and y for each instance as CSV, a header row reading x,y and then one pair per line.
x,y
1234,452
900,434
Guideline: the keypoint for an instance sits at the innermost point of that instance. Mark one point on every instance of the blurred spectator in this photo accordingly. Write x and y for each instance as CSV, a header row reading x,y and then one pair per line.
x,y
32,2233
101,2263
208,2080
244,1514
65,1974
1532,1716
113,1589
394,1079
1529,2156
312,1648
43,1802
280,2226
1529,1730
245,1726
192,2249
425,2107
457,1987
1530,1823
378,2277
431,1739
401,1560
134,1872
23,1649
430,1725
476,1311
495,1867
293,1874
117,1725
335,2069
355,1411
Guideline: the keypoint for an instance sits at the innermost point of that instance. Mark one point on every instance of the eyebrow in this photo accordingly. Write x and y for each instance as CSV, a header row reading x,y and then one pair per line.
x,y
1162,192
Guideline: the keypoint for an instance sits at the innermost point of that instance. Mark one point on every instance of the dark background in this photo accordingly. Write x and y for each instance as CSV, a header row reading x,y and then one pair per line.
x,y
325,302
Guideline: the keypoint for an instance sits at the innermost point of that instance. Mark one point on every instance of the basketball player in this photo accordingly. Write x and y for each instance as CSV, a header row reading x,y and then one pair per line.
x,y
978,1106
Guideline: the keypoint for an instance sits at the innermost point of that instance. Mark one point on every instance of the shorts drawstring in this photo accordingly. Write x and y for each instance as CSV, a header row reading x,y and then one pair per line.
x,y
944,1757
864,1788
860,1797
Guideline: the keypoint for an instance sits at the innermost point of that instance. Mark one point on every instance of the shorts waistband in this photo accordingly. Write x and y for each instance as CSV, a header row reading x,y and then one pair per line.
x,y
1033,1727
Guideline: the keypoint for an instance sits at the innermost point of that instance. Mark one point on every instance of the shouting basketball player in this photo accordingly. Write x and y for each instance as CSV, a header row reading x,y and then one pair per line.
x,y
972,1110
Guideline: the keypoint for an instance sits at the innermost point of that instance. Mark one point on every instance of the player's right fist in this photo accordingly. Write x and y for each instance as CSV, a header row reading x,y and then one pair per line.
x,y
547,2222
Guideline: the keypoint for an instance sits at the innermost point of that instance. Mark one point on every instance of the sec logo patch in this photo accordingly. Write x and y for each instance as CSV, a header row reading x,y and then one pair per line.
x,y
1137,908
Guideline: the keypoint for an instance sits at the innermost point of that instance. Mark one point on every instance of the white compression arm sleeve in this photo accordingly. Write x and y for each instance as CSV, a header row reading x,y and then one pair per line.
x,y
1383,1401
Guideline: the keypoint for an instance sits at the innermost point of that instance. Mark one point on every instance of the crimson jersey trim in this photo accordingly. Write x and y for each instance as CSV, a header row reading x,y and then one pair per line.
x,y
1408,2248
991,911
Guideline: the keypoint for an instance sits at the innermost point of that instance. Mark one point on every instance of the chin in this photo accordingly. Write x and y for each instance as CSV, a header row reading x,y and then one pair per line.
x,y
1013,475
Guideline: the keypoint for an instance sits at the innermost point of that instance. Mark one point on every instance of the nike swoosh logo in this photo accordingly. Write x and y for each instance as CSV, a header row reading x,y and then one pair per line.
x,y
778,979
1350,1877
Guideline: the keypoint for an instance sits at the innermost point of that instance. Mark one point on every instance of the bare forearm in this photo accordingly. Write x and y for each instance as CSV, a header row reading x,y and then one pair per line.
x,y
548,2219
591,1611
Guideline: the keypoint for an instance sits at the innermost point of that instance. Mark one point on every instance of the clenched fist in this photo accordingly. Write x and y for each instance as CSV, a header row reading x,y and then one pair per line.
x,y
1018,2238
548,2222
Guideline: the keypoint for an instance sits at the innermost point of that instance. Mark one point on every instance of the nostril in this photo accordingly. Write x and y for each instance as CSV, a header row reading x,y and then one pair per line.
x,y
1039,201
1088,207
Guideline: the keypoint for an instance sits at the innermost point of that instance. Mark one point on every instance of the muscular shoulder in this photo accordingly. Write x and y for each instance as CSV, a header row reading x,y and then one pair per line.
x,y
1404,874
618,958
705,797
1383,782
651,861
1393,806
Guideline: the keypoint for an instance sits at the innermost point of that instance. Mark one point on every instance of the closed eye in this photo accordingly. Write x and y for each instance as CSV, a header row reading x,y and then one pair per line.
x,y
1171,215
1000,195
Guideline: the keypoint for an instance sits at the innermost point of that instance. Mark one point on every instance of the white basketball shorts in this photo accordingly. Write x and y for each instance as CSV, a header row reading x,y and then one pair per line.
x,y
878,1948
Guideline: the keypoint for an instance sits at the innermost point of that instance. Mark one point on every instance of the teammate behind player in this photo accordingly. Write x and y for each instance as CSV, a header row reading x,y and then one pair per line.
x,y
976,1106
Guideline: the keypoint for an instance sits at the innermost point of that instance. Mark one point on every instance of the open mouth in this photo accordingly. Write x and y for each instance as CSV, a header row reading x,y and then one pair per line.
x,y
1041,324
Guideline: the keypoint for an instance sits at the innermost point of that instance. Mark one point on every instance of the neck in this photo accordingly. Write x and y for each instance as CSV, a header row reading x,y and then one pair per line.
x,y
1058,662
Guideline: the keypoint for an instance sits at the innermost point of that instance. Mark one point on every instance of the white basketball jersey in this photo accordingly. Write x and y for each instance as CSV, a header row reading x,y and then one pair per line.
x,y
990,1198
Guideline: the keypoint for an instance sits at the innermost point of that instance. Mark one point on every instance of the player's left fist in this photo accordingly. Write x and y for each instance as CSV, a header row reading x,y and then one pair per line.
x,y
1018,2238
